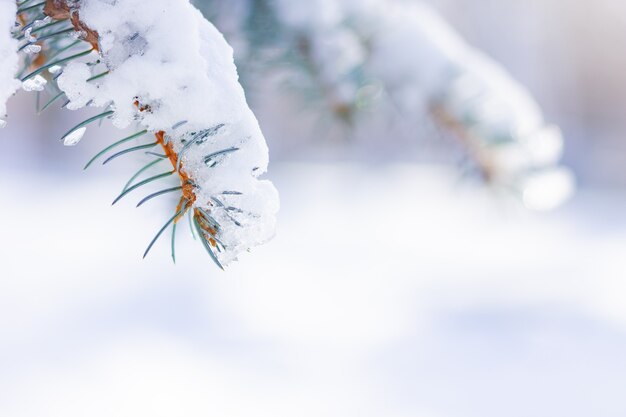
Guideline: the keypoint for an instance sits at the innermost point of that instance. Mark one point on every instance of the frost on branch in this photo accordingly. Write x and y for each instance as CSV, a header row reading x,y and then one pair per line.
x,y
8,56
170,70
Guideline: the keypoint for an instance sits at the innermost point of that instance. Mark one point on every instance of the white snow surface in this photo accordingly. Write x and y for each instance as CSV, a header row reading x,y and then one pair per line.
x,y
395,293
165,55
8,55
37,83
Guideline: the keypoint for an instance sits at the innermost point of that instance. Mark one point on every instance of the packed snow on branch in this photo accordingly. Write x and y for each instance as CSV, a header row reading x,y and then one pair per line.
x,y
171,70
8,56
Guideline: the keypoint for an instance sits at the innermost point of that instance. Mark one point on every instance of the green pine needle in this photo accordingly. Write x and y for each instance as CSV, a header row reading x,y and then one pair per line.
x,y
138,173
190,218
95,77
169,222
65,48
86,122
51,101
174,243
51,35
129,150
158,194
142,183
34,6
44,27
208,158
57,62
207,244
158,155
108,148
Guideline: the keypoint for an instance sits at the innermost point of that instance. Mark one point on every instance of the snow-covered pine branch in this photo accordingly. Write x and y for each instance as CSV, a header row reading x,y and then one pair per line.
x,y
422,63
8,56
160,64
495,116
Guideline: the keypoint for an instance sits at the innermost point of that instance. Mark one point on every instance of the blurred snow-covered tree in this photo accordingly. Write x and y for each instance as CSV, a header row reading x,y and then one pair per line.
x,y
354,57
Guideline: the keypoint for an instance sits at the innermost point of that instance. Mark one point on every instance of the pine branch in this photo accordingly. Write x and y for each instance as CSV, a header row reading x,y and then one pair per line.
x,y
187,143
372,56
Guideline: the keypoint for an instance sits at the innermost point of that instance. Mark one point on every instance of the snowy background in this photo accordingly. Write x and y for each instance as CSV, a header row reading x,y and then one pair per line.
x,y
392,288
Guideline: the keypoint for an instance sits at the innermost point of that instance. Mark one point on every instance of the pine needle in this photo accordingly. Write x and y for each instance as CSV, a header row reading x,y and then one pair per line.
x,y
138,173
190,218
157,194
206,244
170,221
129,150
51,101
57,62
34,6
108,148
39,29
208,158
174,243
142,183
51,35
86,122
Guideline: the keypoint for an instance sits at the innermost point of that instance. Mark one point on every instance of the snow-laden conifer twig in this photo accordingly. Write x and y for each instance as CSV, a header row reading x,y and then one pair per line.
x,y
355,46
160,64
496,117
8,56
